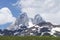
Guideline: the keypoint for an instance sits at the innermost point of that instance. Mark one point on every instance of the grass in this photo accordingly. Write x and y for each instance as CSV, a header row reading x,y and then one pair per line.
x,y
29,38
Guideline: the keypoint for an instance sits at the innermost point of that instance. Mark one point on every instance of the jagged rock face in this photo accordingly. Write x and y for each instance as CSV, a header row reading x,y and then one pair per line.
x,y
26,24
57,33
46,34
38,19
23,19
44,29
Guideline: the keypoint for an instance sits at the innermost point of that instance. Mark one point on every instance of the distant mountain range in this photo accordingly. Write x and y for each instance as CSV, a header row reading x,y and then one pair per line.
x,y
25,26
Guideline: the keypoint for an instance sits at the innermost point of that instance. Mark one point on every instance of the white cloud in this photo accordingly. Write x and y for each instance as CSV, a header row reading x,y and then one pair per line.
x,y
53,18
48,9
6,16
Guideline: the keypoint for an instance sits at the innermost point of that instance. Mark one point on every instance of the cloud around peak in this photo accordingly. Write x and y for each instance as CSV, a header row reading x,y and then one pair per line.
x,y
48,9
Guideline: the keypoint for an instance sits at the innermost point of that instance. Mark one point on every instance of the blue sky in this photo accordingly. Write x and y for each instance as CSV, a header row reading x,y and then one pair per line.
x,y
15,11
48,9
8,3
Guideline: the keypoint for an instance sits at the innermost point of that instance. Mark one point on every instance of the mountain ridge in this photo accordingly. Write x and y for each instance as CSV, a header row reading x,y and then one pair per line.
x,y
25,26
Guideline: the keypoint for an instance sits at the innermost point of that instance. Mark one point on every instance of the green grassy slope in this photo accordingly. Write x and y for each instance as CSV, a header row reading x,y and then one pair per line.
x,y
29,38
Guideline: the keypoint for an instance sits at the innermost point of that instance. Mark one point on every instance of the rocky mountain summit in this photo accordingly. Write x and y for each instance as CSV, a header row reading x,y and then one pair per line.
x,y
25,26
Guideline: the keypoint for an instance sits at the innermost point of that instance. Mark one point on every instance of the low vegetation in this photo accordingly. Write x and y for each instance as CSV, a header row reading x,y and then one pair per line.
x,y
29,38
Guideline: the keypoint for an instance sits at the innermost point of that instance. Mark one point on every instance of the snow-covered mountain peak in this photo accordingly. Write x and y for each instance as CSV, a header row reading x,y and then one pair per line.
x,y
30,23
38,19
24,20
